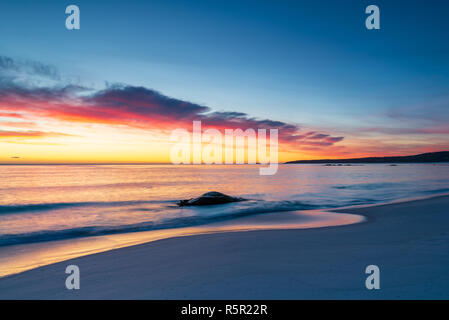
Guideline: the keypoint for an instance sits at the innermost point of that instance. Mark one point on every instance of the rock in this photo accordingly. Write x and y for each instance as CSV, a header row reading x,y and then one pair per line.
x,y
209,198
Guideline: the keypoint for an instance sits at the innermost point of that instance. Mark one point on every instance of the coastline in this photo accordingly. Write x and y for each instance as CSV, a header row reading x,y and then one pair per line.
x,y
19,258
409,242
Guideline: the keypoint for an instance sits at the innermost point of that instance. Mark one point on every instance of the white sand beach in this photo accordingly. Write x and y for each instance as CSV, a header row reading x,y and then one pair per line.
x,y
409,242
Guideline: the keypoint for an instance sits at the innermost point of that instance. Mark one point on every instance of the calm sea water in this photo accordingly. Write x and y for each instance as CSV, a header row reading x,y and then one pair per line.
x,y
39,203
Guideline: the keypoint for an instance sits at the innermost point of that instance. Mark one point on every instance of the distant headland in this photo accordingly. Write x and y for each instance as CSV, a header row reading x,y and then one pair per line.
x,y
442,156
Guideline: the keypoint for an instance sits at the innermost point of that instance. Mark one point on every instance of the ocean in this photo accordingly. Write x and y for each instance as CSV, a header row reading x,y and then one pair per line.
x,y
54,202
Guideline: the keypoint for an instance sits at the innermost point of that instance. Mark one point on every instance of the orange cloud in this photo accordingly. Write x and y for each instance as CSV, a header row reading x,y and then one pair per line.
x,y
30,134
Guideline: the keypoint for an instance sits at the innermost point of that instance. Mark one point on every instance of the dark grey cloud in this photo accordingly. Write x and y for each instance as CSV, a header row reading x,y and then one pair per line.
x,y
29,67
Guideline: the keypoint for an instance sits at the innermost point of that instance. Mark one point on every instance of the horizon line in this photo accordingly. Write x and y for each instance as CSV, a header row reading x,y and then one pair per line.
x,y
166,163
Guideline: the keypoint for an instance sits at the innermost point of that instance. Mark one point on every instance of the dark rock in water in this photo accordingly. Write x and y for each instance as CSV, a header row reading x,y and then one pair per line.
x,y
209,198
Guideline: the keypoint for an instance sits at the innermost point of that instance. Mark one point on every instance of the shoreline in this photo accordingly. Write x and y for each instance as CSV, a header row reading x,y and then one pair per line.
x,y
53,251
15,259
412,236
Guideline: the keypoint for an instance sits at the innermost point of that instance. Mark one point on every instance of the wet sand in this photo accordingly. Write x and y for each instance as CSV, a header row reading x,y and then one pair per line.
x,y
408,241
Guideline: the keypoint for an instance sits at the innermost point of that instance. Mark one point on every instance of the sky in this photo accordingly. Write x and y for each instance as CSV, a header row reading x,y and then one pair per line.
x,y
115,89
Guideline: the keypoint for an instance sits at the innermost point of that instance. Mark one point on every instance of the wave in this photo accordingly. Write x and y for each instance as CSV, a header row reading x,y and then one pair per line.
x,y
202,216
365,186
174,216
442,190
21,208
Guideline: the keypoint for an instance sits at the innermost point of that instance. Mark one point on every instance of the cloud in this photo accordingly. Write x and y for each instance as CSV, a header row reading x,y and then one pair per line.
x,y
16,66
11,115
437,129
131,106
18,124
324,142
30,134
318,136
434,112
